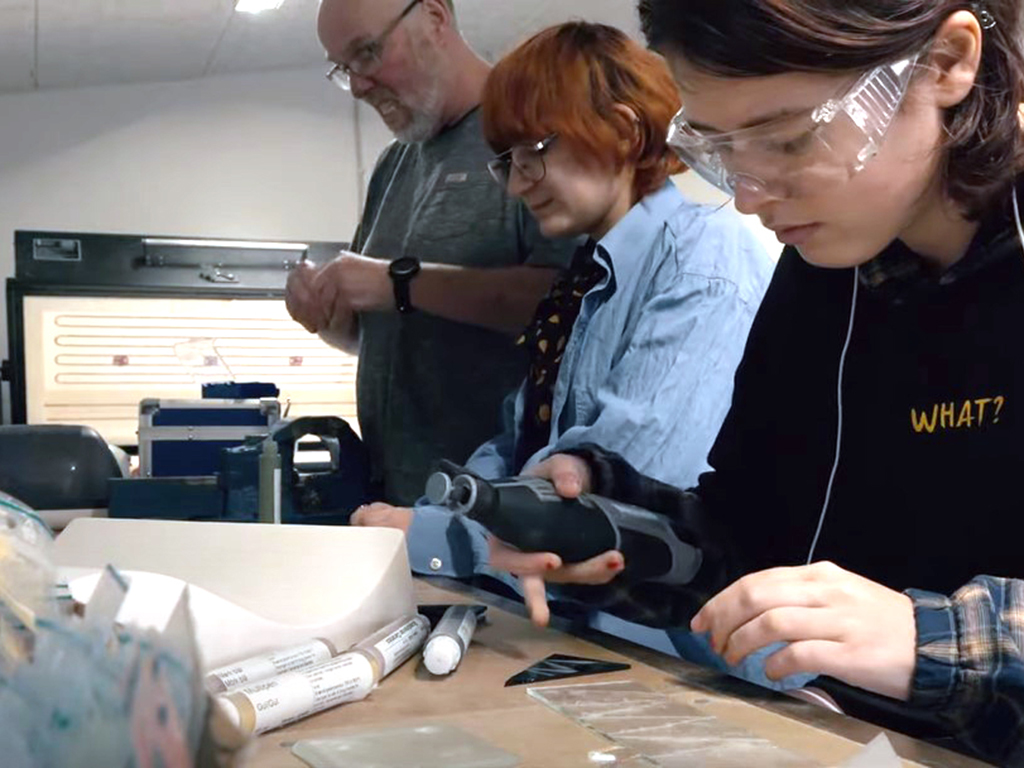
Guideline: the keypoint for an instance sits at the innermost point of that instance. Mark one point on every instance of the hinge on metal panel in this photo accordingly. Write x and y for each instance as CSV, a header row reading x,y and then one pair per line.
x,y
214,275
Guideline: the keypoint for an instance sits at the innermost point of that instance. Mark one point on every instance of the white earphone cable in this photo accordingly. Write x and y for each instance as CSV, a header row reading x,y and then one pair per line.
x,y
1016,216
839,417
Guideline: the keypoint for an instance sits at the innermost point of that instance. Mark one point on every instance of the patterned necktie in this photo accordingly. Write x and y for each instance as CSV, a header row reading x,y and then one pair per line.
x,y
545,339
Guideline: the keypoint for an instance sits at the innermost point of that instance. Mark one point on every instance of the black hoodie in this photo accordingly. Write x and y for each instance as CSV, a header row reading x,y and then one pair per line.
x,y
929,490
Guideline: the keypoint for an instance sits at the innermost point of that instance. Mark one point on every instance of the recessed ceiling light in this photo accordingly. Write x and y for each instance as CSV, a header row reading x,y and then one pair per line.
x,y
257,6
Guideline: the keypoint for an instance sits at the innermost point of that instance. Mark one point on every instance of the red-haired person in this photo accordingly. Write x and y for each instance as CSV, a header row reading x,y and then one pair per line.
x,y
635,347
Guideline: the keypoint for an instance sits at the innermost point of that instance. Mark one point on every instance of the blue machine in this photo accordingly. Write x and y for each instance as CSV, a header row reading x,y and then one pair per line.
x,y
326,493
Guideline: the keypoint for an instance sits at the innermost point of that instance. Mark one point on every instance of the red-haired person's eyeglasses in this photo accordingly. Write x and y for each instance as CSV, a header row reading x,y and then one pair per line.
x,y
527,159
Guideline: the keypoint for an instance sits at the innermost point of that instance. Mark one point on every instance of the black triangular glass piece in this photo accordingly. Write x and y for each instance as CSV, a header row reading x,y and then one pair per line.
x,y
558,666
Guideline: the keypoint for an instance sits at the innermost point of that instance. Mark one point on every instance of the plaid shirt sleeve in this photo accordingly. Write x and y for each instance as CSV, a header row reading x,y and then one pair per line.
x,y
970,664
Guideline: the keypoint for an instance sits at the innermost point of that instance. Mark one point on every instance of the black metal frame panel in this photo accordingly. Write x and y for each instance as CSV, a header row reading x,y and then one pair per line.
x,y
144,267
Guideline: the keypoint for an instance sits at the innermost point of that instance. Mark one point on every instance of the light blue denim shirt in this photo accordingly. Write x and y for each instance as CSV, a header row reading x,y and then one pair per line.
x,y
647,371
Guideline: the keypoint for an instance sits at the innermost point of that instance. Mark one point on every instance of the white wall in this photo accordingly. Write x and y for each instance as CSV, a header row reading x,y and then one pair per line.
x,y
268,156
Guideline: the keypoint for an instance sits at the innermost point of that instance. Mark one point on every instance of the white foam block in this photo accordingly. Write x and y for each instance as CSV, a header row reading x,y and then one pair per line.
x,y
254,588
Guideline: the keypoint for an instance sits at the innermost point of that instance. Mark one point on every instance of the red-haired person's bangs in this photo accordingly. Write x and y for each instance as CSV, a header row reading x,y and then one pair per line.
x,y
567,80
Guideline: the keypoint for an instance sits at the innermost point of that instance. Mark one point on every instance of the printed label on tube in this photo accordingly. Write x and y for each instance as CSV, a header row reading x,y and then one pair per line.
x,y
296,695
402,643
270,664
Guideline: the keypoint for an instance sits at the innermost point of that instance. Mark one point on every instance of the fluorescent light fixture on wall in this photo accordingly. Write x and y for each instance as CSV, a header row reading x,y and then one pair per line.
x,y
257,6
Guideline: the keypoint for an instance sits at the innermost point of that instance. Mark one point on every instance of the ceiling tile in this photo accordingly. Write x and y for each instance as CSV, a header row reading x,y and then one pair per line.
x,y
283,39
96,42
17,31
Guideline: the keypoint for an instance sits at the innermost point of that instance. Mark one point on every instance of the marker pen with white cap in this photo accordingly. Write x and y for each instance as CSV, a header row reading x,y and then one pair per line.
x,y
448,642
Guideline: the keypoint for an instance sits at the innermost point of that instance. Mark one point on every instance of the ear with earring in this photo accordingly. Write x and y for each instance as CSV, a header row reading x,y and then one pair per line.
x,y
985,17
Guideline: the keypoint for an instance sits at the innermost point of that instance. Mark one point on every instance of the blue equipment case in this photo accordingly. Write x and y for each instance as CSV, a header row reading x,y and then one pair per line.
x,y
180,438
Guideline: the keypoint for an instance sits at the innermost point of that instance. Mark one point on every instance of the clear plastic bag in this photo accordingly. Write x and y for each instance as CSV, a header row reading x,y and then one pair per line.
x,y
79,690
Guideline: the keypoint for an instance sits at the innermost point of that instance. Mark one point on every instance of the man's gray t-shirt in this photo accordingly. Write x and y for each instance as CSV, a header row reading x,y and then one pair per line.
x,y
431,388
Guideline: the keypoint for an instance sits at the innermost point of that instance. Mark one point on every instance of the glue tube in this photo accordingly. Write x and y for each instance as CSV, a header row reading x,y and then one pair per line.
x,y
448,642
256,668
349,677
393,645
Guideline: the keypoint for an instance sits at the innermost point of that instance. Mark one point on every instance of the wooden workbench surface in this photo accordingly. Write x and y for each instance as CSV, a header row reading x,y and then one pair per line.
x,y
475,700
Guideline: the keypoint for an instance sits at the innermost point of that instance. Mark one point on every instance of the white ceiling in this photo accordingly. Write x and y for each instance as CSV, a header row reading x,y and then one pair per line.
x,y
77,43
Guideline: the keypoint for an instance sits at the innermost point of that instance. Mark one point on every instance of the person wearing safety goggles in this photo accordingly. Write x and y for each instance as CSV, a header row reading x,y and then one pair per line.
x,y
636,345
866,483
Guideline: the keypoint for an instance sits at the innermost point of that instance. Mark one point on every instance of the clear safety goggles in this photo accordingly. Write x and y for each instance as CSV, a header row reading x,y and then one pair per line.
x,y
825,145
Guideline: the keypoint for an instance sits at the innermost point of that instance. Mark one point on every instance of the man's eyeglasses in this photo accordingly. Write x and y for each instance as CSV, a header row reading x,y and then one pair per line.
x,y
528,159
369,57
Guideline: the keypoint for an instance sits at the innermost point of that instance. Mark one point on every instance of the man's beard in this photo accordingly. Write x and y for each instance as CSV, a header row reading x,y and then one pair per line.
x,y
425,114
426,106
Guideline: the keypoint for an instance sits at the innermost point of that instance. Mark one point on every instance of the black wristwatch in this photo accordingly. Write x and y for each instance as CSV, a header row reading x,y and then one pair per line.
x,y
402,271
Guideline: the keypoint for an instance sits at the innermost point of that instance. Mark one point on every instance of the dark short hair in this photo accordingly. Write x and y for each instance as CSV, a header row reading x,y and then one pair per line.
x,y
984,148
567,80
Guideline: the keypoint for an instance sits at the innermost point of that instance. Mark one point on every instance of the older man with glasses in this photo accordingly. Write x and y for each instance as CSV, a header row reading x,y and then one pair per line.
x,y
445,268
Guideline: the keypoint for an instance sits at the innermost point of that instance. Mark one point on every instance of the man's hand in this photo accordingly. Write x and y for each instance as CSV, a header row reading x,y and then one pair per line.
x,y
571,477
355,283
836,623
381,515
300,297
335,322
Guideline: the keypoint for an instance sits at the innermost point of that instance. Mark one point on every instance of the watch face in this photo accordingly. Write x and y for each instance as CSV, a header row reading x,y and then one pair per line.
x,y
407,266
